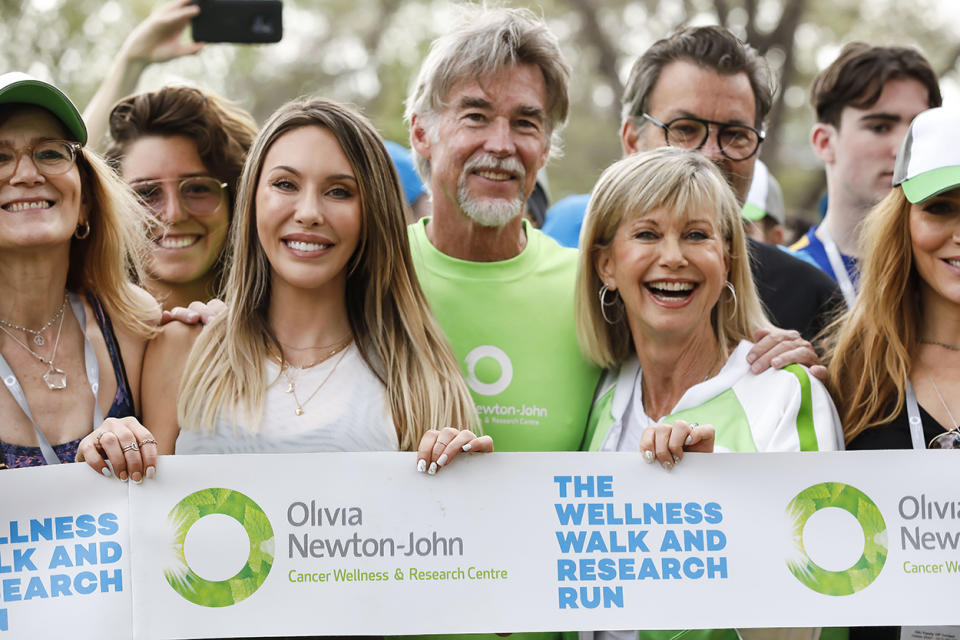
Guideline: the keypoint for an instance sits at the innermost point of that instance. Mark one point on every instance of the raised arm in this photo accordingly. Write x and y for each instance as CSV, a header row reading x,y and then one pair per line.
x,y
157,39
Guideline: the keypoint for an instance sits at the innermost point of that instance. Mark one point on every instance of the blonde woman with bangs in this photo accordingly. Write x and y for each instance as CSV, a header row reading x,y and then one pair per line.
x,y
666,302
327,343
72,327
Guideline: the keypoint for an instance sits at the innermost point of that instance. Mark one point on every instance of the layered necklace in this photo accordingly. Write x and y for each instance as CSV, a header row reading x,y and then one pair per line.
x,y
328,352
55,378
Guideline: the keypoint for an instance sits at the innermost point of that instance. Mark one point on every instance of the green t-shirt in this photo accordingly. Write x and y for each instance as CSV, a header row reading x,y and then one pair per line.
x,y
512,328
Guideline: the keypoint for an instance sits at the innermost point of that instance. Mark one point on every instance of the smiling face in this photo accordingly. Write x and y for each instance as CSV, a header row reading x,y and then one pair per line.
x,y
37,210
308,210
486,146
187,245
935,238
685,89
860,154
669,269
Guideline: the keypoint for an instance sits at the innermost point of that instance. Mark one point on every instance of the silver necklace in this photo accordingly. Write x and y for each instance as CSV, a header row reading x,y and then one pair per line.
x,y
937,389
951,347
37,334
56,379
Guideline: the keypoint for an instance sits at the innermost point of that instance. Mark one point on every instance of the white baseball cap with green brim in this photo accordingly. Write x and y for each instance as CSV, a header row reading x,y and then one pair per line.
x,y
765,197
929,160
17,87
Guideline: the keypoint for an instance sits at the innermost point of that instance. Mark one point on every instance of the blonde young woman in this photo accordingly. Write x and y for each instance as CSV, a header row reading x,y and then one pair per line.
x,y
72,327
894,364
666,302
327,343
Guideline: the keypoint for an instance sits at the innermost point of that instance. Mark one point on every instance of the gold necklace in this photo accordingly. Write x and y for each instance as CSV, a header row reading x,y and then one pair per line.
x,y
292,383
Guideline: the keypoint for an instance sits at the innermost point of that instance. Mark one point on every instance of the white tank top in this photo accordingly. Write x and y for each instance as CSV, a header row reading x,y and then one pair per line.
x,y
348,413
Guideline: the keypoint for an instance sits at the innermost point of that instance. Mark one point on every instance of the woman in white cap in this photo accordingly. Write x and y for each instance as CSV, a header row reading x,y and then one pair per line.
x,y
72,328
895,361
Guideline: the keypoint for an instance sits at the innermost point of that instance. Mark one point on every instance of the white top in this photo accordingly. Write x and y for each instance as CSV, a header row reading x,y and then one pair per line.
x,y
349,413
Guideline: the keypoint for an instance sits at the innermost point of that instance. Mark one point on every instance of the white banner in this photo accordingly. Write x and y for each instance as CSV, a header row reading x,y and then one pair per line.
x,y
331,544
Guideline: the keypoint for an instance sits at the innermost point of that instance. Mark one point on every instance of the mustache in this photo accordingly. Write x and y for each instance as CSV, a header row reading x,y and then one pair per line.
x,y
492,162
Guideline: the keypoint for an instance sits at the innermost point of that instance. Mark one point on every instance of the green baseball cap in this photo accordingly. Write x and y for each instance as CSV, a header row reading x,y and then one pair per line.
x,y
765,197
17,87
929,159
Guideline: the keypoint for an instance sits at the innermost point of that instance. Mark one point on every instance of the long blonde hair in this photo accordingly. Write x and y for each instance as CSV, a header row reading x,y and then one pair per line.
x,y
868,347
680,181
395,331
104,260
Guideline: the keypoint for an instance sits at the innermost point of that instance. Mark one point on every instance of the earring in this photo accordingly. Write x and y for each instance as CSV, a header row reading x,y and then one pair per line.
x,y
611,304
82,230
733,292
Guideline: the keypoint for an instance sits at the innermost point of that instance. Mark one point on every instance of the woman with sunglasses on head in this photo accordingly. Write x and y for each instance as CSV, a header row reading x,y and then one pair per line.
x,y
181,149
72,327
327,343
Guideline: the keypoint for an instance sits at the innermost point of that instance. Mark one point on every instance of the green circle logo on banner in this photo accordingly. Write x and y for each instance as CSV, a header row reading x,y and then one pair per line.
x,y
856,503
221,593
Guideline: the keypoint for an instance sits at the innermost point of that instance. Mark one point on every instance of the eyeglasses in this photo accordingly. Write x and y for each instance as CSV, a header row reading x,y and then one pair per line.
x,y
946,440
50,157
736,141
198,195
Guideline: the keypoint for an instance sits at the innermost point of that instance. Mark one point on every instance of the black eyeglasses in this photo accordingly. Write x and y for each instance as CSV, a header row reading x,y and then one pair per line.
x,y
200,195
946,440
50,157
736,141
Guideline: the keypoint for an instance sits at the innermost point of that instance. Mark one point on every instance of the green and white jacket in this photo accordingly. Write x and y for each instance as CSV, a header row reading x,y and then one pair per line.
x,y
777,410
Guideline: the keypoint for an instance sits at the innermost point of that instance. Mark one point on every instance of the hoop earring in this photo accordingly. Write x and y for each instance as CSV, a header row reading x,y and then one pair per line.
x,y
82,231
733,292
612,304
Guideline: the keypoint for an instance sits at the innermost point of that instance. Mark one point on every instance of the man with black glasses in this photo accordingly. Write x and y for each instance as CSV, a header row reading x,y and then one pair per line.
x,y
703,89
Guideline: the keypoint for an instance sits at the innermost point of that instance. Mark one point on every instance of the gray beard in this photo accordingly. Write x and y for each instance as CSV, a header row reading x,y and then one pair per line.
x,y
489,212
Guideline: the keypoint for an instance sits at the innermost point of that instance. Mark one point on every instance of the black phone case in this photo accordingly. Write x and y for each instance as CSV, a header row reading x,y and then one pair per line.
x,y
244,21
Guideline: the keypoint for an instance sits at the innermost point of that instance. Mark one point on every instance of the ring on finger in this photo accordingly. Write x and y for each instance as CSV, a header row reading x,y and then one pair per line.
x,y
148,441
96,442
442,444
131,447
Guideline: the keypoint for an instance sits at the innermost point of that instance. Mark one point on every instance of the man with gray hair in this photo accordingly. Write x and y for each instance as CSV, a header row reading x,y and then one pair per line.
x,y
485,112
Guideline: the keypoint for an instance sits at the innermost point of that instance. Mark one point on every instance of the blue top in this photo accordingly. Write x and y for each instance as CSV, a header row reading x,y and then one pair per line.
x,y
810,247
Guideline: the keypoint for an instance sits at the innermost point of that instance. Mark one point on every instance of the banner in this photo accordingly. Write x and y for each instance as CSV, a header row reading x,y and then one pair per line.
x,y
331,544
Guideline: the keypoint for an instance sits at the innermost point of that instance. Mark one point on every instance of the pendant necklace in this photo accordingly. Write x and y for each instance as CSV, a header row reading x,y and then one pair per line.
x,y
292,380
56,379
940,396
37,334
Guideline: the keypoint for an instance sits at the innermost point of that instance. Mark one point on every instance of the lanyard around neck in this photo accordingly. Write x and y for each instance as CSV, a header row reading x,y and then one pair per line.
x,y
913,415
839,268
93,378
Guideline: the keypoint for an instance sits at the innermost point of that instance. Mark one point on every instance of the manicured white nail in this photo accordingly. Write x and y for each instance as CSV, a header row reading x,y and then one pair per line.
x,y
151,471
137,478
421,465
676,459
467,447
648,456
667,465
688,441
442,460
433,469
106,472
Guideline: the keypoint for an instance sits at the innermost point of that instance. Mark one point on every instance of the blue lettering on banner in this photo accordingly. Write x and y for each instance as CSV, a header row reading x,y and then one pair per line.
x,y
681,550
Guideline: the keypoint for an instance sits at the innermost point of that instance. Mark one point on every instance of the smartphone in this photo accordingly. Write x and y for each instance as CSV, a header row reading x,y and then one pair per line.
x,y
247,21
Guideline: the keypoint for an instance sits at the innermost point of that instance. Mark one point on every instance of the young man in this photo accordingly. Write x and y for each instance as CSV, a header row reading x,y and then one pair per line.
x,y
864,103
